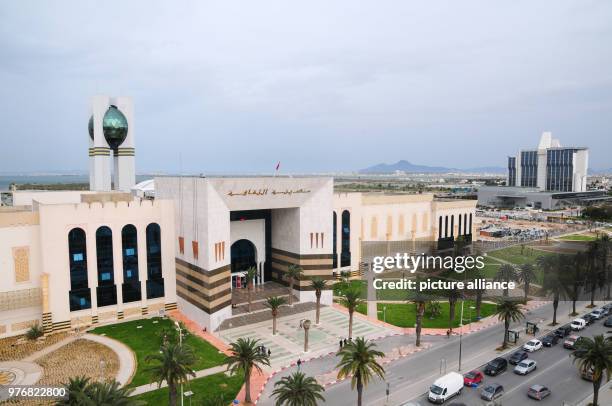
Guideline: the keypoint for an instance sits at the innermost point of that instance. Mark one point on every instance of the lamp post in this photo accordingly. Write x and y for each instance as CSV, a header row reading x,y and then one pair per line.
x,y
306,326
180,330
385,313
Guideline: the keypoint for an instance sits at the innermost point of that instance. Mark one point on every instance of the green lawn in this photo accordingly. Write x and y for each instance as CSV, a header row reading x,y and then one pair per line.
x,y
204,389
518,255
146,340
578,237
404,314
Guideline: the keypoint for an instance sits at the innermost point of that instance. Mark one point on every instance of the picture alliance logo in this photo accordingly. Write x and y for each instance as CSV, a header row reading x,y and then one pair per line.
x,y
411,263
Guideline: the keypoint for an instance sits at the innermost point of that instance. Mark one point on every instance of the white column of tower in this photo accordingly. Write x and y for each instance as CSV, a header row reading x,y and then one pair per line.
x,y
99,151
124,156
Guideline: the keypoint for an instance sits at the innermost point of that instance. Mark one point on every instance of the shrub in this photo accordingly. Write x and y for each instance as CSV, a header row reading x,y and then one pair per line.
x,y
34,332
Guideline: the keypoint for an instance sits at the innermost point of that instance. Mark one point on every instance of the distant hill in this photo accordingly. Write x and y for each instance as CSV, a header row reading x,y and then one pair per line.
x,y
405,166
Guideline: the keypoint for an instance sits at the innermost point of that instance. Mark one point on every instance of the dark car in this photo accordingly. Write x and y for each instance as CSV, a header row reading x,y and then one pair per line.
x,y
608,322
492,392
517,357
496,366
589,318
538,392
563,331
550,340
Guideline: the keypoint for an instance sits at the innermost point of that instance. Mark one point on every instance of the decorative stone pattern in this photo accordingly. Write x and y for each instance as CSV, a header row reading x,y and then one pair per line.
x,y
19,299
132,311
21,258
23,325
16,348
107,316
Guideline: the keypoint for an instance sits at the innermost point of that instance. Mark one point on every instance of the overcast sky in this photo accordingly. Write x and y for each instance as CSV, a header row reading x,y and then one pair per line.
x,y
235,86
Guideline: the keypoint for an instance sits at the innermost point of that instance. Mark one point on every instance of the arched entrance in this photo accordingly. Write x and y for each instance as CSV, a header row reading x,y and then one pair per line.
x,y
244,255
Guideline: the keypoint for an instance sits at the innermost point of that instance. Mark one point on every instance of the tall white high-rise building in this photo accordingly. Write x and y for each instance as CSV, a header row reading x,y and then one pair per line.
x,y
111,144
550,167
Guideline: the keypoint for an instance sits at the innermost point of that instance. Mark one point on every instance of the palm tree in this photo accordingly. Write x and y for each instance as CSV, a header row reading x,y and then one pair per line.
x,y
351,299
274,303
244,357
251,273
477,274
420,299
81,391
595,356
604,250
506,273
318,285
453,295
174,364
551,266
573,278
358,359
297,389
293,272
526,275
595,275
507,311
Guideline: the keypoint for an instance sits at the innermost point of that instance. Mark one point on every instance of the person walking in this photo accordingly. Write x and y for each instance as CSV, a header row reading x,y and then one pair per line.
x,y
299,364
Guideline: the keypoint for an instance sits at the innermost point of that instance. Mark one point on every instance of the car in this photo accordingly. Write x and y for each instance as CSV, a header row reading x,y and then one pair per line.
x,y
550,340
496,366
578,324
598,313
525,367
608,322
563,331
532,345
472,378
589,319
570,342
492,391
607,307
538,392
517,357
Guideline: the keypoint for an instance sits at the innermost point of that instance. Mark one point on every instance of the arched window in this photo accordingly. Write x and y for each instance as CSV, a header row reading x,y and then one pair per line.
x,y
243,255
129,250
80,294
445,226
335,241
440,227
345,254
465,224
459,221
452,225
469,230
155,280
106,290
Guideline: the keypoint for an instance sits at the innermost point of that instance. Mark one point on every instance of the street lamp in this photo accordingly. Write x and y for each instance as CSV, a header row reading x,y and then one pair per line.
x,y
385,313
180,330
189,394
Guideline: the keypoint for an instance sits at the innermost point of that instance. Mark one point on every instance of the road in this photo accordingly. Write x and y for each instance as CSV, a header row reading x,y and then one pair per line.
x,y
410,377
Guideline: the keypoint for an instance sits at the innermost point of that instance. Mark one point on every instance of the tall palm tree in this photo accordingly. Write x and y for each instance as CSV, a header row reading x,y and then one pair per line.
x,y
358,359
551,266
506,273
351,299
595,275
573,278
274,303
245,357
293,272
595,356
605,247
477,274
526,275
172,364
297,389
318,285
507,311
453,295
251,273
82,391
420,299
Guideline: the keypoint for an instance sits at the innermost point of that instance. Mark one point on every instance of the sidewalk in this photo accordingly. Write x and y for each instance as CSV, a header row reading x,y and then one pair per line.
x,y
605,396
199,374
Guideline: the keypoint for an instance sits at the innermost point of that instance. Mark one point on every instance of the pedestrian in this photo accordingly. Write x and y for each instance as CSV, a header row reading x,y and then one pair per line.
x,y
448,333
345,341
269,353
299,364
340,343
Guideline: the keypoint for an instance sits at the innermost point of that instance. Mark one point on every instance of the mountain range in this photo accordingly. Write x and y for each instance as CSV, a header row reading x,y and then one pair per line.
x,y
405,166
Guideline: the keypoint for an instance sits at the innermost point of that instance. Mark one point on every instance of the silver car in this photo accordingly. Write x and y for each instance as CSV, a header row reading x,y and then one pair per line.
x,y
525,366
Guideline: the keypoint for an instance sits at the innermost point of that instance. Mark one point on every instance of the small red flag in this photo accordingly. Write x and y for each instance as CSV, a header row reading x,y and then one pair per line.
x,y
278,165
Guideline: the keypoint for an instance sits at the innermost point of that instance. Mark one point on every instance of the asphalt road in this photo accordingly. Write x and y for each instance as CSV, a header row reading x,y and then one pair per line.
x,y
410,377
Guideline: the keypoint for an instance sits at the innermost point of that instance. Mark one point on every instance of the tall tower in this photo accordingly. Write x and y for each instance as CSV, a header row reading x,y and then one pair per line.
x,y
111,133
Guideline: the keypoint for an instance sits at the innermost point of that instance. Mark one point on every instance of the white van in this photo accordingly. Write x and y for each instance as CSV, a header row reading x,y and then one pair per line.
x,y
446,387
578,324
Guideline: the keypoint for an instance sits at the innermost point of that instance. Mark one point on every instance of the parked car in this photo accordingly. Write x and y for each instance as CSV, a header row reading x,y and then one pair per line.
x,y
446,387
563,331
532,345
550,340
589,319
517,357
525,367
571,342
496,366
598,313
608,322
538,392
578,324
492,392
473,378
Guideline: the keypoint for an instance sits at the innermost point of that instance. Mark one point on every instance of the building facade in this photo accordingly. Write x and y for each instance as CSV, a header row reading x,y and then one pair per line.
x,y
64,265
